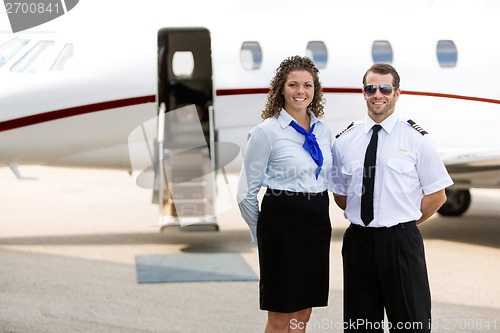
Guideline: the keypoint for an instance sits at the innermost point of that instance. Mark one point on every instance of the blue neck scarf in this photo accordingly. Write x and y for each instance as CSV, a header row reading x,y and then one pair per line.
x,y
310,145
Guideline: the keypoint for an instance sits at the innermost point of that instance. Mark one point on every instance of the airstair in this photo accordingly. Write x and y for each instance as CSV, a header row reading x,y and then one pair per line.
x,y
185,93
188,172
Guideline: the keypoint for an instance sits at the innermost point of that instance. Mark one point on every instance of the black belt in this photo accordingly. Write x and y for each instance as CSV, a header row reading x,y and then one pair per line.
x,y
395,228
277,193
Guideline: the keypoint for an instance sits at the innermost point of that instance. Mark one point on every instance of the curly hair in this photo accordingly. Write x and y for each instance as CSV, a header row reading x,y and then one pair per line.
x,y
275,99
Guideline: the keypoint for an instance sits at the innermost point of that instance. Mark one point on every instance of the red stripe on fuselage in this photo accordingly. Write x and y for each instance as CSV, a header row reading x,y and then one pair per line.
x,y
74,111
229,92
245,91
83,109
467,98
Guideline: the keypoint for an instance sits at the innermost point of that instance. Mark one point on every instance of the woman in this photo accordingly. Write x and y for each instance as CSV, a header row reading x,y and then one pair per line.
x,y
289,153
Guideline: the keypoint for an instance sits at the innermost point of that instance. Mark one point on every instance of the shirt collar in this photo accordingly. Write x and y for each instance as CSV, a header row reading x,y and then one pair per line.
x,y
388,123
285,118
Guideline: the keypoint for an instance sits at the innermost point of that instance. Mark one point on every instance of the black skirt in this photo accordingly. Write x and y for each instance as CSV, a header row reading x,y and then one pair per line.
x,y
293,234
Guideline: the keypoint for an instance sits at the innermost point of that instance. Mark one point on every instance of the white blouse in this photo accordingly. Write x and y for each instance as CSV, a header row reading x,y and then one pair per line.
x,y
274,158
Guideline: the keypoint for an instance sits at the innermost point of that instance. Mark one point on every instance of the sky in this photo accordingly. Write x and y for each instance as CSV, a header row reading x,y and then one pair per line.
x,y
90,14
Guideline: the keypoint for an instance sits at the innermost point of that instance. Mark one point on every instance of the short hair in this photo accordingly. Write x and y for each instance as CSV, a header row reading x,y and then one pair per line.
x,y
383,69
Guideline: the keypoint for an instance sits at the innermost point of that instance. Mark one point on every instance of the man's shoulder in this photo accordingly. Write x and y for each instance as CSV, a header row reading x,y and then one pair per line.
x,y
348,129
413,125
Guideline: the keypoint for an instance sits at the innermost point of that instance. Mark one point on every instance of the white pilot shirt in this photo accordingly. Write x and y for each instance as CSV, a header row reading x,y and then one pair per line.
x,y
408,167
274,158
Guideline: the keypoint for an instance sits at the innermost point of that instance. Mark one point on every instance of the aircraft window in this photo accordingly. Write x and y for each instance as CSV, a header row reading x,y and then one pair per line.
x,y
11,47
318,53
183,63
447,53
251,55
32,61
382,51
63,58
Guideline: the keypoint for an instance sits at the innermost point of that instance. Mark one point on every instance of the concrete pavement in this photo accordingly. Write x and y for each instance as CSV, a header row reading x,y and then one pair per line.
x,y
68,243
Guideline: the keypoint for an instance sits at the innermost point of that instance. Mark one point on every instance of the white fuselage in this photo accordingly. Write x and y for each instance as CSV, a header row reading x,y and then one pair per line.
x,y
83,116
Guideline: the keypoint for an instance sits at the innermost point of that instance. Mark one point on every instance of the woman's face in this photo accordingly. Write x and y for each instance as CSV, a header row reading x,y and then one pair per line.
x,y
298,91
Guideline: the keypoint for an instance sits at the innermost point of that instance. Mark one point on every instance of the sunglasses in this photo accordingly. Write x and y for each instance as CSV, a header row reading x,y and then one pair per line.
x,y
371,89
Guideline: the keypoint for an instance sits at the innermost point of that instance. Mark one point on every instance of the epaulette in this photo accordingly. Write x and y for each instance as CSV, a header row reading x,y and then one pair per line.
x,y
417,127
345,130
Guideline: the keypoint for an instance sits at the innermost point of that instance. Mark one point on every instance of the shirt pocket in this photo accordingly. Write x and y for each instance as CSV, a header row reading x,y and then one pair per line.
x,y
403,175
353,175
350,168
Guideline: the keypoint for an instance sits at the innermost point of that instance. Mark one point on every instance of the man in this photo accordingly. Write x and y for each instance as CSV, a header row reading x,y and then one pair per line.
x,y
387,178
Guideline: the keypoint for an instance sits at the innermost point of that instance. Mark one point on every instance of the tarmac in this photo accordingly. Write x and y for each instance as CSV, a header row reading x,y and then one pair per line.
x,y
69,239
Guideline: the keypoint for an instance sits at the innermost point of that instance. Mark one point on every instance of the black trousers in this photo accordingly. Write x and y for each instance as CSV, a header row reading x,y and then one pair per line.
x,y
384,268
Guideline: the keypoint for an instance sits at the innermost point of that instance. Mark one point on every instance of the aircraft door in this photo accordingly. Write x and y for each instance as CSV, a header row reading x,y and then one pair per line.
x,y
185,88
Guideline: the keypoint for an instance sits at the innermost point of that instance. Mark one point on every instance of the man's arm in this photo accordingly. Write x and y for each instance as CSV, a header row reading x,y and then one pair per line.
x,y
430,204
341,200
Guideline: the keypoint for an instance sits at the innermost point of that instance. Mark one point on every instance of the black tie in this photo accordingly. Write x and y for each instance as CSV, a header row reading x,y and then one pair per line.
x,y
369,177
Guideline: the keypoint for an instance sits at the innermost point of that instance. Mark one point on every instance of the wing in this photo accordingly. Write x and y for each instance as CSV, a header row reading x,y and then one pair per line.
x,y
479,169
